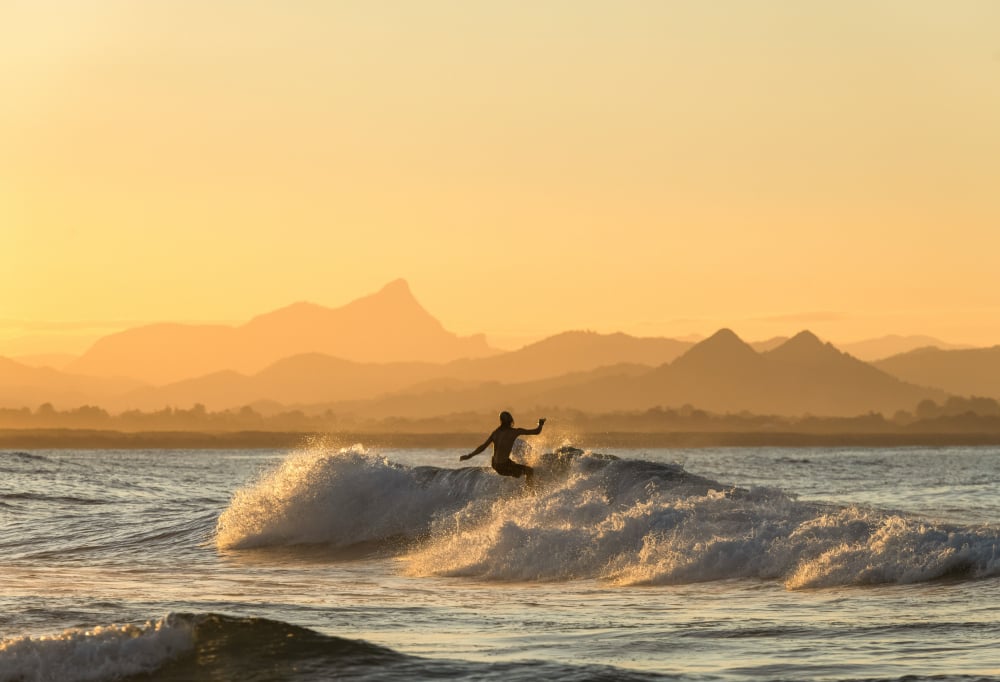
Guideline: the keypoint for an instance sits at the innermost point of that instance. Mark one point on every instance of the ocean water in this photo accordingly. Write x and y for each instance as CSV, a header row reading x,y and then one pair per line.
x,y
333,562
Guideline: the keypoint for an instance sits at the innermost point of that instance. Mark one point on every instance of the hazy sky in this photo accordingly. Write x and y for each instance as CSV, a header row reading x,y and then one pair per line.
x,y
662,167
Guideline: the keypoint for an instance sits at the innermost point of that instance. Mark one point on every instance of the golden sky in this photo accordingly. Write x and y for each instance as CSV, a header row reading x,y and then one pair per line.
x,y
656,167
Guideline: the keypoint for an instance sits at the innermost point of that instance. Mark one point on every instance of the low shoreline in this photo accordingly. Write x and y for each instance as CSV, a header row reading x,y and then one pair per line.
x,y
56,439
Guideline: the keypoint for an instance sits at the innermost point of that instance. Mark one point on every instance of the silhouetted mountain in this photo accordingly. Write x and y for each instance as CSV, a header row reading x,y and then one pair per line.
x,y
388,326
892,344
974,371
721,370
575,351
825,381
720,374
23,386
722,350
489,396
802,375
316,378
257,363
301,379
806,350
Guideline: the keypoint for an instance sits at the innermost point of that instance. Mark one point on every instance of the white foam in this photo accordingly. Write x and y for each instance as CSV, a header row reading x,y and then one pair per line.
x,y
657,532
623,521
102,653
343,497
902,550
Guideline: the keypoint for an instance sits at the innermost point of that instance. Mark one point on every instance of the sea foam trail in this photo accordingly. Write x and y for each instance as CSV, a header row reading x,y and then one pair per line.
x,y
594,516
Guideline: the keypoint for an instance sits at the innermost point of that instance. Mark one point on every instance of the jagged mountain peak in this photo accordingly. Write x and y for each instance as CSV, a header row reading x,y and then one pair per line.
x,y
394,297
386,326
805,336
397,287
721,341
804,346
803,341
723,348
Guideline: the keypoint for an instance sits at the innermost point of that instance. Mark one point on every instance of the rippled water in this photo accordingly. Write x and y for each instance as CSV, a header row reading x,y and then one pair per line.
x,y
731,563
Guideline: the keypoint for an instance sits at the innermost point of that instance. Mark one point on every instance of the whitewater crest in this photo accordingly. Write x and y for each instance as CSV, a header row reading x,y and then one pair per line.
x,y
593,516
184,646
345,497
102,653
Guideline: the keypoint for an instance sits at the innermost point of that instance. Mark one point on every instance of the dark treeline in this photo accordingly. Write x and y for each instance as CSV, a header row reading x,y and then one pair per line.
x,y
956,415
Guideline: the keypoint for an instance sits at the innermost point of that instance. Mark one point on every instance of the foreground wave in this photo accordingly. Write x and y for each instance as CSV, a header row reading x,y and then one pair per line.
x,y
593,516
184,647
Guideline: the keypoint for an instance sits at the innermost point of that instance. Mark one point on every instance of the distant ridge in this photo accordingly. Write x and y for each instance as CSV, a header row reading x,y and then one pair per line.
x,y
387,326
720,374
967,372
574,370
310,378
53,360
801,376
573,351
316,378
24,386
893,344
384,356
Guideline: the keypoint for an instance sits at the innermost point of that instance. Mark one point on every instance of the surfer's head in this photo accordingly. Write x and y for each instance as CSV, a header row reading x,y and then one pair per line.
x,y
506,418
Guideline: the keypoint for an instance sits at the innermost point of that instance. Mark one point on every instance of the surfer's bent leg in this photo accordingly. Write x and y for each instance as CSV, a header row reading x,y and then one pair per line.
x,y
514,469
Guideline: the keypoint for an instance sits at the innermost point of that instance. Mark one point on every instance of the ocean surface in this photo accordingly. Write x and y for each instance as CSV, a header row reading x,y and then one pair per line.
x,y
334,562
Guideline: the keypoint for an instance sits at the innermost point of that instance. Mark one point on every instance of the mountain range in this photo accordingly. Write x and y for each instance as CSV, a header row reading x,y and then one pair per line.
x,y
23,386
385,356
719,374
387,326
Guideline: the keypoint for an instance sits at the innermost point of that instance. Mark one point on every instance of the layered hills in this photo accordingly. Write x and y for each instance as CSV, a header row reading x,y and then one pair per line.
x,y
719,374
387,326
385,356
24,386
314,378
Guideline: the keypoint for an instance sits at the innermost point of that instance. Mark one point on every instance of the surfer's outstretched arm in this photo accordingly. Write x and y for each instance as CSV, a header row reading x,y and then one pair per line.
x,y
477,450
532,432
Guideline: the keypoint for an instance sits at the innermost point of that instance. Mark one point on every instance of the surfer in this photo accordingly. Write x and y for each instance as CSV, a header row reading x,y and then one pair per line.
x,y
503,442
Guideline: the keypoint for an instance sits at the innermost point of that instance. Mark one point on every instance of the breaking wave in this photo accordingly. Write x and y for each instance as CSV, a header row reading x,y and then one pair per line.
x,y
182,647
592,516
102,653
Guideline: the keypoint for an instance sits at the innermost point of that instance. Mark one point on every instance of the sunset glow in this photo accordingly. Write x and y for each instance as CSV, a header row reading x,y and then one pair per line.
x,y
654,168
550,340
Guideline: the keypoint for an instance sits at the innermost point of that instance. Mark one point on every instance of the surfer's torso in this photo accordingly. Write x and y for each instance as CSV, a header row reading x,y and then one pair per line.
x,y
503,443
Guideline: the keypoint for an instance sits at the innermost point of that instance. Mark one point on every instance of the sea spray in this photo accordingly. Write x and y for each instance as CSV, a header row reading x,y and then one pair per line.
x,y
344,497
596,516
592,516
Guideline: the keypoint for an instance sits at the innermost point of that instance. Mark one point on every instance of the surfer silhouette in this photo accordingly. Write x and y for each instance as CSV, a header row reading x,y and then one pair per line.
x,y
503,438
